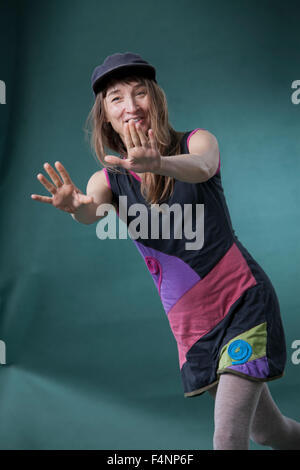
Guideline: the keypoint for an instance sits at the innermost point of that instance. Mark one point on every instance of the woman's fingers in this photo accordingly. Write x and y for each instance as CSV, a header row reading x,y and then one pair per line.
x,y
134,135
116,161
37,197
49,186
65,177
49,200
142,136
128,140
111,159
53,175
63,173
152,140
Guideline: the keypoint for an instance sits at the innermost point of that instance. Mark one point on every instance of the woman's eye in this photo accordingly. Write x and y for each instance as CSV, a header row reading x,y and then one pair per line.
x,y
139,93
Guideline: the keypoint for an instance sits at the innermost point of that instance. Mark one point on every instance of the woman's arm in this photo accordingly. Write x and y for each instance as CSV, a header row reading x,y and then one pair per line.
x,y
143,156
196,167
101,193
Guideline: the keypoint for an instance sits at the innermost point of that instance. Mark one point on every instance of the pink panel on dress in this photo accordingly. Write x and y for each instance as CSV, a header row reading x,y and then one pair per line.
x,y
201,308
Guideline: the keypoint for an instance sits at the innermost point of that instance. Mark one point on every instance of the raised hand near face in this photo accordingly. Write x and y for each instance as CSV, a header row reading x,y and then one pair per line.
x,y
142,152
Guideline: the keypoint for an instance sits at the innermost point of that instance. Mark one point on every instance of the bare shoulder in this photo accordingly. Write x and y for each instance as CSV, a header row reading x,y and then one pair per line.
x,y
99,177
205,144
99,188
203,141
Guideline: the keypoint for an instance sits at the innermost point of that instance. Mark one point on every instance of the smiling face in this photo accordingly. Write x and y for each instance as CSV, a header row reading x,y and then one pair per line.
x,y
125,101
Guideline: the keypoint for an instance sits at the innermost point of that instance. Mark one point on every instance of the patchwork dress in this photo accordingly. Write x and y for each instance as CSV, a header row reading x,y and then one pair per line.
x,y
221,306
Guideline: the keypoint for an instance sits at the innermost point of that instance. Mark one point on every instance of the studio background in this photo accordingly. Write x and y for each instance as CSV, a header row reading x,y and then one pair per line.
x,y
91,362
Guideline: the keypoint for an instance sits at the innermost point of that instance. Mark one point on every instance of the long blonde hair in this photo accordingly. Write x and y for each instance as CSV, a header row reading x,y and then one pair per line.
x,y
154,188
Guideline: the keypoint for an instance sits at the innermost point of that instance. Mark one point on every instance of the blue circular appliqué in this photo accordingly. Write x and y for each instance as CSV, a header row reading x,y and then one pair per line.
x,y
240,351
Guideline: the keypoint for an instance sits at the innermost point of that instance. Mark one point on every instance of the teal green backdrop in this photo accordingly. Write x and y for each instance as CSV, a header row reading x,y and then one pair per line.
x,y
91,362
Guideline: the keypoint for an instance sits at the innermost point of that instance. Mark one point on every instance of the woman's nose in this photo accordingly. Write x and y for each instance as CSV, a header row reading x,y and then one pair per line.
x,y
130,104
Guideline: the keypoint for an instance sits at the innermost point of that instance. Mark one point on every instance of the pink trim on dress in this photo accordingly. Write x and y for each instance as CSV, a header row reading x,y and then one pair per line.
x,y
107,177
219,164
192,133
108,182
188,139
135,175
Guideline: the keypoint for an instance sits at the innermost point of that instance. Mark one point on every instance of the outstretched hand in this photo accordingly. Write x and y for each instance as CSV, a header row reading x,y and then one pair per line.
x,y
65,195
142,152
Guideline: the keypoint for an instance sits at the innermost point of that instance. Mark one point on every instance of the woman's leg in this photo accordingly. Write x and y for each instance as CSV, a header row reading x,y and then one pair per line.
x,y
235,403
271,428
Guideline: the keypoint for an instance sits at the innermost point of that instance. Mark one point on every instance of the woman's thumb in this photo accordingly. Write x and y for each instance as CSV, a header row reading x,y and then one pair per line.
x,y
85,199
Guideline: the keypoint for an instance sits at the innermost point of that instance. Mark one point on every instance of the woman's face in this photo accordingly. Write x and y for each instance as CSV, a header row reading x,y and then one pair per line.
x,y
124,102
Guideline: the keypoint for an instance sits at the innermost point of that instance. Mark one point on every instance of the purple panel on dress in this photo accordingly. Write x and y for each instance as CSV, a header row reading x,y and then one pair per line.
x,y
172,276
257,368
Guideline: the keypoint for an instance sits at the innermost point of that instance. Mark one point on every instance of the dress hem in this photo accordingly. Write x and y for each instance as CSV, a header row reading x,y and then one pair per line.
x,y
201,390
246,376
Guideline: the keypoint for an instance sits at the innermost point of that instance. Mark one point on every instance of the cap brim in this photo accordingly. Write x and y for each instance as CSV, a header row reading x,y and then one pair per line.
x,y
120,72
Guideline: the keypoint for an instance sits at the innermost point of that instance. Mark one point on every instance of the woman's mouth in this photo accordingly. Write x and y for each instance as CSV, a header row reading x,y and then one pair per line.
x,y
140,120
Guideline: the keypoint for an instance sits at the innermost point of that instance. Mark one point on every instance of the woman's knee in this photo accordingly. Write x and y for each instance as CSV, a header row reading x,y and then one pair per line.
x,y
236,401
230,438
267,420
261,437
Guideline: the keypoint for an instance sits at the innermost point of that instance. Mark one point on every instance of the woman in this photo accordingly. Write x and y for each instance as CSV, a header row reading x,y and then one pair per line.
x,y
221,305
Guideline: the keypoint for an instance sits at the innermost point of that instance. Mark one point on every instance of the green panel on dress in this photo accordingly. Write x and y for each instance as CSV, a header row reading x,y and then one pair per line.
x,y
256,337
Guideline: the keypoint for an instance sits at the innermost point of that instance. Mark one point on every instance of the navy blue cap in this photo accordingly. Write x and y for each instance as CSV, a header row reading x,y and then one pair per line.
x,y
119,66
